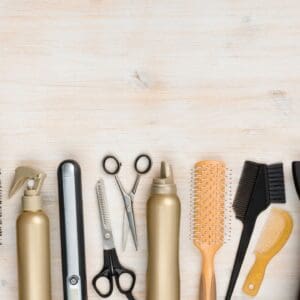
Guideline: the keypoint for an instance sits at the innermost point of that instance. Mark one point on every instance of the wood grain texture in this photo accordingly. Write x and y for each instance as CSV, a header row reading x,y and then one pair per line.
x,y
182,80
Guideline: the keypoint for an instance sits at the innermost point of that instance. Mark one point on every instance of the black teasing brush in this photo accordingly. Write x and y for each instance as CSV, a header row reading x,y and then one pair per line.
x,y
258,187
296,175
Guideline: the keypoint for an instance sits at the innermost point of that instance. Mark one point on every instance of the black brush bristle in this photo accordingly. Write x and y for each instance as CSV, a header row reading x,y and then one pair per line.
x,y
276,183
245,188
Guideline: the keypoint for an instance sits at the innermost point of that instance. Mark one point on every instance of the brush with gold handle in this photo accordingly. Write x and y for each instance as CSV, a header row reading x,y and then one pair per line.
x,y
208,219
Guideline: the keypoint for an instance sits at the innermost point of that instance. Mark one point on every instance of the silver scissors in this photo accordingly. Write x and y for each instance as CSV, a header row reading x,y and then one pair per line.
x,y
111,265
128,197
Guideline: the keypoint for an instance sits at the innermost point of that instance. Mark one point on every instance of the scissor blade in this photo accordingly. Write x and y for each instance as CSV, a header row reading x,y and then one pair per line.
x,y
108,242
125,229
132,226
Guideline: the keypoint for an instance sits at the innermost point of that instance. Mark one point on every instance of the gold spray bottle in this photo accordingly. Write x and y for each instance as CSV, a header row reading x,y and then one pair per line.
x,y
33,244
163,222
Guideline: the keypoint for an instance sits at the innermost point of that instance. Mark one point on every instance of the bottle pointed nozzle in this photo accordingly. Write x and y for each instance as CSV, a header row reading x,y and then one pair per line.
x,y
166,172
166,181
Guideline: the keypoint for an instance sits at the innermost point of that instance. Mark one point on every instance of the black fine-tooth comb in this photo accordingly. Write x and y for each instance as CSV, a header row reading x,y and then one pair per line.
x,y
259,186
296,175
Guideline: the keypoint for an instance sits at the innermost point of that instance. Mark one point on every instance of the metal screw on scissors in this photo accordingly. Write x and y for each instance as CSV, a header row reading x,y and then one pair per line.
x,y
128,197
111,266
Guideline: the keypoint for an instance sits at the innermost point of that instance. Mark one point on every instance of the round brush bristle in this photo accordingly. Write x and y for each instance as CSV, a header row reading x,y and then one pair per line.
x,y
208,203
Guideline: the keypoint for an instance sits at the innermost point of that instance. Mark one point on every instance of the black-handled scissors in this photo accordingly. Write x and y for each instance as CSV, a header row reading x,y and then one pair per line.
x,y
128,198
111,265
114,170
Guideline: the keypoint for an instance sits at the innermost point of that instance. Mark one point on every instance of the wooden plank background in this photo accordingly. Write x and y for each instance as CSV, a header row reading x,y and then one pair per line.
x,y
183,80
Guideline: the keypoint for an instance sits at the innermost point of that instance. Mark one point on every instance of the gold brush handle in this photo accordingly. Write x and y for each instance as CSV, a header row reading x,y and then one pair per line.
x,y
208,280
255,277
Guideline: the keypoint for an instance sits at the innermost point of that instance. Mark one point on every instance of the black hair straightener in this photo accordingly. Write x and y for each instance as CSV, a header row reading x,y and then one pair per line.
x,y
72,231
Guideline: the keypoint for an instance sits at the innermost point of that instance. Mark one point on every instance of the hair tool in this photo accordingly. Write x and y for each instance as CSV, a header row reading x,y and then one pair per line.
x,y
111,165
208,219
296,175
259,186
274,236
163,226
72,230
111,264
33,237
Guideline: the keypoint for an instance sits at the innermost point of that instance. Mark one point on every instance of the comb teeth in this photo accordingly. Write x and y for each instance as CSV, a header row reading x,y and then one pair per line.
x,y
276,229
208,203
101,197
272,231
245,188
276,183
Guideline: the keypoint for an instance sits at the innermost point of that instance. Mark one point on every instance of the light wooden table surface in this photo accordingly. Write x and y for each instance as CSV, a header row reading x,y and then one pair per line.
x,y
181,80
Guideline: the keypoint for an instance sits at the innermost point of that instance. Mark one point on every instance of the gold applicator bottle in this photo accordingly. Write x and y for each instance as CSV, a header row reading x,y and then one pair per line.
x,y
33,244
163,221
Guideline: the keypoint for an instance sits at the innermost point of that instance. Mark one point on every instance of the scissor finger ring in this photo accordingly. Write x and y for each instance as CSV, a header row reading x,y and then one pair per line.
x,y
114,166
143,169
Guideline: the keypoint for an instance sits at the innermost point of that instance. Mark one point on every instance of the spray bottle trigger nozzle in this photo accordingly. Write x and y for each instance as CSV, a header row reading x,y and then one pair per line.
x,y
22,174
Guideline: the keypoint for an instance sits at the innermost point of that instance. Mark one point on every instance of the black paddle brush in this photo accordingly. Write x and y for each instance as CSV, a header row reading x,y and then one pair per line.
x,y
259,185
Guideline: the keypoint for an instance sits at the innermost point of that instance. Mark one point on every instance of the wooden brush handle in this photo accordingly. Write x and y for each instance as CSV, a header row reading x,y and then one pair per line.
x,y
208,280
255,277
